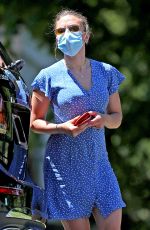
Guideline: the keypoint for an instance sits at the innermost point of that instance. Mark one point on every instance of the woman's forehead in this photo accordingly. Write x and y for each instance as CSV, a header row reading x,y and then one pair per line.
x,y
68,20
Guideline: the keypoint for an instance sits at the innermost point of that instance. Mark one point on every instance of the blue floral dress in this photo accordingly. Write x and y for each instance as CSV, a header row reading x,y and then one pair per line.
x,y
78,174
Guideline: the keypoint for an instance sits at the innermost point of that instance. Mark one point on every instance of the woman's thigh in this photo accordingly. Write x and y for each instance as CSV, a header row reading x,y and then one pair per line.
x,y
78,224
112,222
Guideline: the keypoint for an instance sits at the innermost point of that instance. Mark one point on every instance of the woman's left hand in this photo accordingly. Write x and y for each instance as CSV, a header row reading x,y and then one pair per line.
x,y
98,120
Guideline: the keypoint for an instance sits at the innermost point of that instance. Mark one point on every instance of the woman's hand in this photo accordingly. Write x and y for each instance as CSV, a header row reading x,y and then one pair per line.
x,y
113,116
70,129
98,120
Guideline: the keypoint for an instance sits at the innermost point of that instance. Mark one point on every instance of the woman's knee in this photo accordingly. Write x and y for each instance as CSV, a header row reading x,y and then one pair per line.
x,y
80,224
112,226
112,222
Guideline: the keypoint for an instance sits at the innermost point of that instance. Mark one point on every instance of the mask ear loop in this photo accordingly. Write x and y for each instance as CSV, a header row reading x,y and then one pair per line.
x,y
55,50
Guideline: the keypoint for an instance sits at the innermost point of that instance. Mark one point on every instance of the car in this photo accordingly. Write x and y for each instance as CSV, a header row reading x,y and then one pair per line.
x,y
15,180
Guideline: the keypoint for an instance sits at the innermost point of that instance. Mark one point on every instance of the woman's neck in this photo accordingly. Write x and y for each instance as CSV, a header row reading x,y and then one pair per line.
x,y
78,65
77,62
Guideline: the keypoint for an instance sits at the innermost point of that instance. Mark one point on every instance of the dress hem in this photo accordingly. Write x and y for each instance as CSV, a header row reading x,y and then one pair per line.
x,y
82,215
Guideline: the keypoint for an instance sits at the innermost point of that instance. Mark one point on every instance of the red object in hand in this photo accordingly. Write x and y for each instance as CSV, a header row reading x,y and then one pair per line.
x,y
83,119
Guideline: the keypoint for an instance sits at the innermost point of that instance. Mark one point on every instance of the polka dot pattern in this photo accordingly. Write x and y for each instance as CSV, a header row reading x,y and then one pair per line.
x,y
78,174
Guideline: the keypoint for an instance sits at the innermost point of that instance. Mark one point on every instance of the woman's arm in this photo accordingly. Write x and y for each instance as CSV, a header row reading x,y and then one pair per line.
x,y
112,119
38,123
39,109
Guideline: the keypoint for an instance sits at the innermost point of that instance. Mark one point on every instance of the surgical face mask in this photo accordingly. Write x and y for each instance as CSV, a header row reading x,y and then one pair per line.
x,y
70,43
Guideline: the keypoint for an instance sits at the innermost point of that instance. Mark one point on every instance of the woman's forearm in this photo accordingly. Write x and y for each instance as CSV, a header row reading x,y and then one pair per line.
x,y
42,126
113,120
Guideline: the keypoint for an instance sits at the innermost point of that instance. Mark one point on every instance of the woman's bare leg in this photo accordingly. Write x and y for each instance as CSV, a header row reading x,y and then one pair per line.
x,y
112,222
78,224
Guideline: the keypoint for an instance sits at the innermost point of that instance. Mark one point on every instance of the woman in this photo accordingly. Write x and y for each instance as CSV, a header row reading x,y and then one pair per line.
x,y
78,177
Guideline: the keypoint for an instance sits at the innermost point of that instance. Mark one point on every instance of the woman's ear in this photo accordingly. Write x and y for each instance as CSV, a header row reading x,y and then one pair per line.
x,y
86,38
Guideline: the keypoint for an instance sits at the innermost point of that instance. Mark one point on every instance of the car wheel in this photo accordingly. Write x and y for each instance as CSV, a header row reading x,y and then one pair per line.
x,y
10,223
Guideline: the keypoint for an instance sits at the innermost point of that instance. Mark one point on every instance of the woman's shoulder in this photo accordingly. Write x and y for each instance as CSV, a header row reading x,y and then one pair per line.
x,y
103,65
54,68
107,70
49,73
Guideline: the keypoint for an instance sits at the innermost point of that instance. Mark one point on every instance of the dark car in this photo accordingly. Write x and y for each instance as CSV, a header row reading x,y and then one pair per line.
x,y
15,180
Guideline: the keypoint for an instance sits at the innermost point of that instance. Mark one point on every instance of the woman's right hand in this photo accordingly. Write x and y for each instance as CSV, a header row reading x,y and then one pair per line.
x,y
70,129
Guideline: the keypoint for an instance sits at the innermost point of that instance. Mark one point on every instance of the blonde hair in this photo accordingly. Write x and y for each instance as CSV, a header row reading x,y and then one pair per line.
x,y
65,12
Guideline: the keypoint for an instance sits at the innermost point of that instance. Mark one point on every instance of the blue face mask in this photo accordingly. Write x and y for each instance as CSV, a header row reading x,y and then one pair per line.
x,y
70,43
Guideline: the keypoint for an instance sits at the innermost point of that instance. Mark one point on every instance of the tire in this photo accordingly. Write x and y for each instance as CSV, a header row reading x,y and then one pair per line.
x,y
11,223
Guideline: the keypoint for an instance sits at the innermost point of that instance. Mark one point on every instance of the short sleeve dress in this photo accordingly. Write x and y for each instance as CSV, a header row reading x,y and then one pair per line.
x,y
78,174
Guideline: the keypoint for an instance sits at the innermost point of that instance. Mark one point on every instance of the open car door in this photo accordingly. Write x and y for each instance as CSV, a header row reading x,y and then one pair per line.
x,y
14,133
14,119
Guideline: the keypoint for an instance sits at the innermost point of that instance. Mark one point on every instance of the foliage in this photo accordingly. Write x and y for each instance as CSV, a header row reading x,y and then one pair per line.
x,y
120,37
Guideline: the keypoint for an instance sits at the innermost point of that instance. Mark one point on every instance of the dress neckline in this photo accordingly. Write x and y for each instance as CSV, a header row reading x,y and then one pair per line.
x,y
77,82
